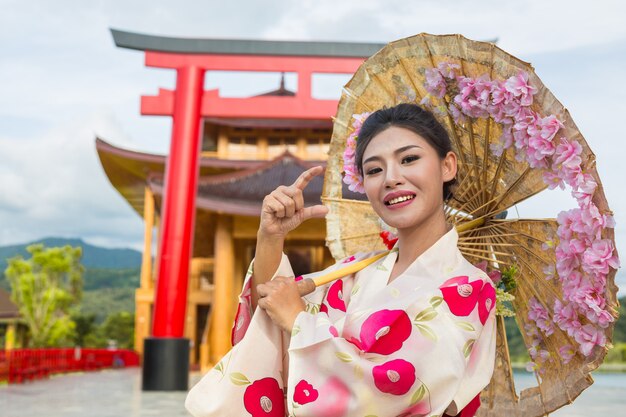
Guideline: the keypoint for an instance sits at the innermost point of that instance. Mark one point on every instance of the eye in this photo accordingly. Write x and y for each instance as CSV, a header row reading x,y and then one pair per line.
x,y
372,171
410,158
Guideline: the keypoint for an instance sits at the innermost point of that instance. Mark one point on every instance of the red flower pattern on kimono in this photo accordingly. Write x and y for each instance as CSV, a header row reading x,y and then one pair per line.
x,y
388,239
486,301
242,321
334,398
394,377
323,308
421,409
304,393
461,295
333,331
335,296
264,398
384,332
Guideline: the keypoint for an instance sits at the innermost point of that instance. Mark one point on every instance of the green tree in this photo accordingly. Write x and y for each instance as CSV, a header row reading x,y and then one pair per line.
x,y
120,327
45,287
85,328
619,332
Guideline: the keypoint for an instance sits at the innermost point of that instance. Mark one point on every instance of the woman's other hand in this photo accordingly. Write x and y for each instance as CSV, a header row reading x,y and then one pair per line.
x,y
283,209
280,298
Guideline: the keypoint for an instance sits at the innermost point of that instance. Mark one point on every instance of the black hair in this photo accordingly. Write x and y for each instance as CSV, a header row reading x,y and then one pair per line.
x,y
414,118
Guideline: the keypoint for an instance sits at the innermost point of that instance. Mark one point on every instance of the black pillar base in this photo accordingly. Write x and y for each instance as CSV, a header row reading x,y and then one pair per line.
x,y
165,364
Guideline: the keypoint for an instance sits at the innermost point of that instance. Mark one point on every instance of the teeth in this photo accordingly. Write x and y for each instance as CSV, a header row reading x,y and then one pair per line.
x,y
399,199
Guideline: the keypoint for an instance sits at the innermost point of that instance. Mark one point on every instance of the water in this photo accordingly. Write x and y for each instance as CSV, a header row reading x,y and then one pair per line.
x,y
606,397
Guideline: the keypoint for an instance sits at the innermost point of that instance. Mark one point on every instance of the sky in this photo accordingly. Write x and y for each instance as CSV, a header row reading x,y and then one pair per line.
x,y
63,82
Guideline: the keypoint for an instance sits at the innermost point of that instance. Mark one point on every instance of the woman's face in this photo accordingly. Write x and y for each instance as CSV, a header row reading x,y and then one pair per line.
x,y
403,177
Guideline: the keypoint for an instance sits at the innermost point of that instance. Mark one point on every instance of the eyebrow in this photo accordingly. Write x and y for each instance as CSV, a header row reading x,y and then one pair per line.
x,y
396,152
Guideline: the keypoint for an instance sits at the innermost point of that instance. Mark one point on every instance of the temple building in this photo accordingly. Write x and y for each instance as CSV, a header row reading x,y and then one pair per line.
x,y
249,146
12,327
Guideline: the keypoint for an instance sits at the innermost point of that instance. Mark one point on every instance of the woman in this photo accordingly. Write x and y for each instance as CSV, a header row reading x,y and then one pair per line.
x,y
411,334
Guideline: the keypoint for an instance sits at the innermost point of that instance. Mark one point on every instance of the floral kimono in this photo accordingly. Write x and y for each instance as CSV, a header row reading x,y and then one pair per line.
x,y
421,345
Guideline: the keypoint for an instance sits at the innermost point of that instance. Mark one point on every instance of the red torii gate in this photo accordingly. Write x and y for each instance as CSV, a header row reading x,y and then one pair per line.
x,y
166,353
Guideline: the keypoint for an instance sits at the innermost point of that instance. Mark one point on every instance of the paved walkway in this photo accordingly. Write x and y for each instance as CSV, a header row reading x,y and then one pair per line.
x,y
117,393
109,393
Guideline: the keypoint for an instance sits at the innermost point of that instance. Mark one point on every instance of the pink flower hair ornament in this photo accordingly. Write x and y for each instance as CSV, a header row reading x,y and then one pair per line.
x,y
352,177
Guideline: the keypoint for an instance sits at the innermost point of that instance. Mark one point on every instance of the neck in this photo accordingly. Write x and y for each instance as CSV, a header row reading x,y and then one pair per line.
x,y
416,240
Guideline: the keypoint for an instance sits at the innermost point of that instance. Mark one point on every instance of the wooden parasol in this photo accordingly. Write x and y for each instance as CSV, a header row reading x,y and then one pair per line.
x,y
489,183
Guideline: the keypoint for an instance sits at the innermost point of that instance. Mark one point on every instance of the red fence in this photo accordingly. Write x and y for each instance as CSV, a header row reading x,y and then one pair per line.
x,y
21,365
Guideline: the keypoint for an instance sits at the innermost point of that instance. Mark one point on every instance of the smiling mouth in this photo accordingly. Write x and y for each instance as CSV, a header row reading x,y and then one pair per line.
x,y
399,200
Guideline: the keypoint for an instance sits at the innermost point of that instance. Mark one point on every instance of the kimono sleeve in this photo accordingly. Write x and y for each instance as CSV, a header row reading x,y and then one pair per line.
x,y
418,360
244,309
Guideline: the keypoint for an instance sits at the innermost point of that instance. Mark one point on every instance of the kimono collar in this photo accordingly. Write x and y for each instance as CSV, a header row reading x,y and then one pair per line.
x,y
441,256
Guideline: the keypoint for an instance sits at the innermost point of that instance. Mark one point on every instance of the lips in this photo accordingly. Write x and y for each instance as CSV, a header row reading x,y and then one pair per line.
x,y
398,197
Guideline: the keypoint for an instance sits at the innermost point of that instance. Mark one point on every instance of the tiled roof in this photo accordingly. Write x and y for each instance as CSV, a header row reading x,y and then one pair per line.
x,y
242,192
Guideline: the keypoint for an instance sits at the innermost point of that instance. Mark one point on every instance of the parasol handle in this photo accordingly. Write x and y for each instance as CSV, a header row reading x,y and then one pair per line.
x,y
308,285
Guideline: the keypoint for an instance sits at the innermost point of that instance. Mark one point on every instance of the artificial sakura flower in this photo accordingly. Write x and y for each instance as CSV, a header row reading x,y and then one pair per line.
x,y
435,83
394,377
553,180
264,398
567,352
384,332
566,317
530,330
353,179
589,336
599,257
456,113
504,142
549,271
474,97
461,295
520,88
335,296
304,393
545,128
539,314
448,69
567,155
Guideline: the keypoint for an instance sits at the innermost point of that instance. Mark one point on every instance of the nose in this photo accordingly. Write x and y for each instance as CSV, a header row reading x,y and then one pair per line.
x,y
393,176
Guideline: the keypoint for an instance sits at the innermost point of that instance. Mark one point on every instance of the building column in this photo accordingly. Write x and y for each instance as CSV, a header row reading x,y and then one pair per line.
x,y
146,259
142,300
263,148
224,289
222,144
10,336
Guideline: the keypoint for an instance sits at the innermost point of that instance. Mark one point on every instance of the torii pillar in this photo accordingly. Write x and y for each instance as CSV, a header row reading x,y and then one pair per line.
x,y
166,353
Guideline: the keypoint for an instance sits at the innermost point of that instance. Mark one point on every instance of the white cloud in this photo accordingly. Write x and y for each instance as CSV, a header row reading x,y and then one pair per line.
x,y
55,186
63,80
522,27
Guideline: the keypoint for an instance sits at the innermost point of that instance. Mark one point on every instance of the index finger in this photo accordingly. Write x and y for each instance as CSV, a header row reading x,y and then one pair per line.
x,y
305,178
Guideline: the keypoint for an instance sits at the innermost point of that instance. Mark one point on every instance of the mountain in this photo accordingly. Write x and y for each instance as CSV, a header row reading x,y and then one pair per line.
x,y
93,256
